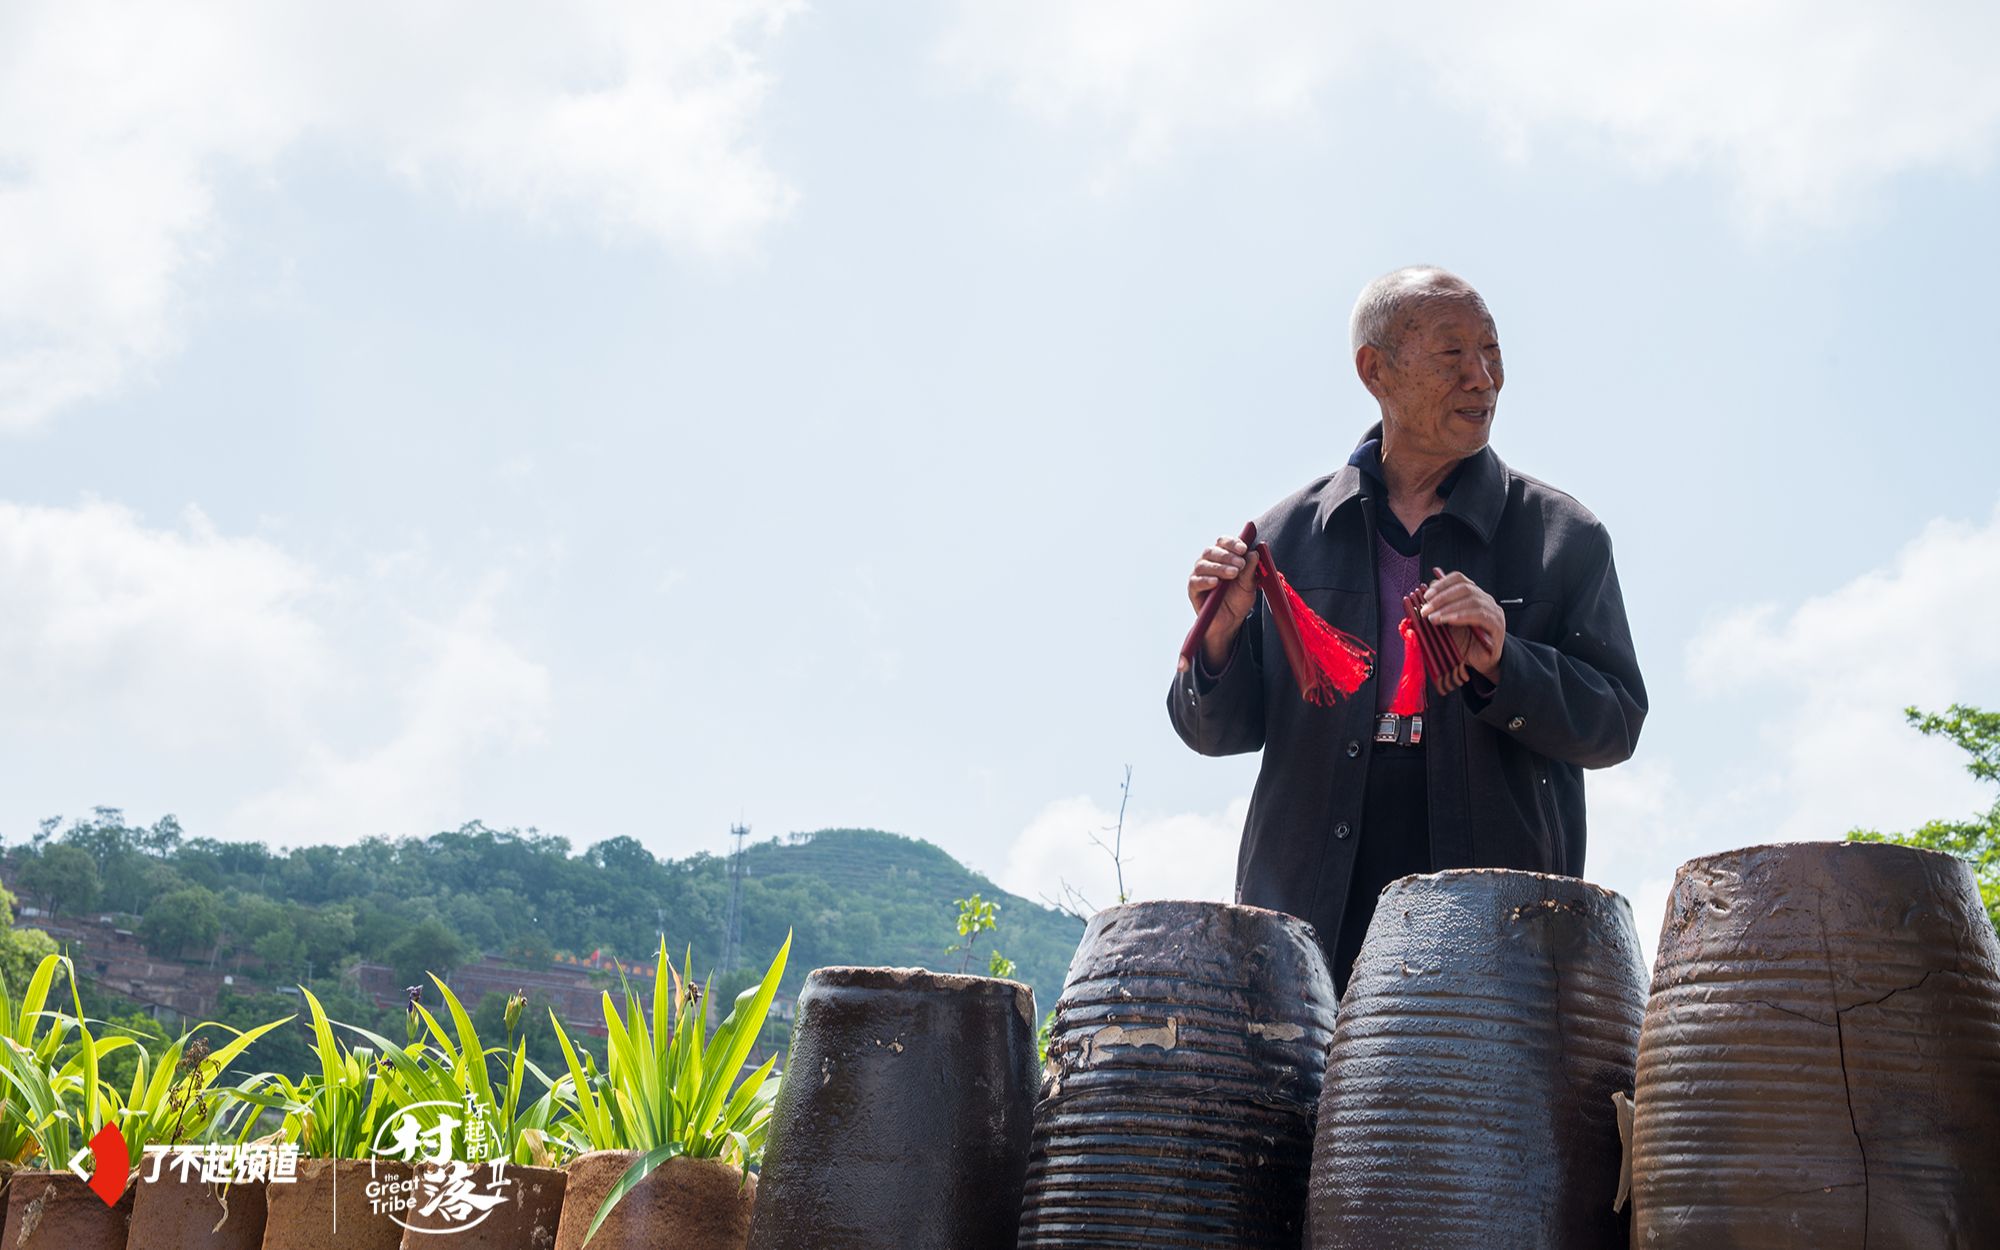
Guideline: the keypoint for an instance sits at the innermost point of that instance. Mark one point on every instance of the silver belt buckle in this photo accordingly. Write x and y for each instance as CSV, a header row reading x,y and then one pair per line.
x,y
1403,731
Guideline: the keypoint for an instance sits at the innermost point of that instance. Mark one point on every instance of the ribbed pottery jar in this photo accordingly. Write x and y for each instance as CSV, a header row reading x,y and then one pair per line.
x,y
903,1120
1491,1016
1820,1065
1176,1106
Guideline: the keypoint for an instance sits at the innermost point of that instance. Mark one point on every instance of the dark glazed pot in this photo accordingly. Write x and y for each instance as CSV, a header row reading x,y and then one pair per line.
x,y
1177,1102
684,1204
1491,1016
525,1221
329,1207
1820,1065
171,1213
57,1211
903,1120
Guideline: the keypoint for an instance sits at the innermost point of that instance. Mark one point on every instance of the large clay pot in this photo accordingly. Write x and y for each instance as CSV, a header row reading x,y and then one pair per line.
x,y
49,1210
329,1206
1820,1065
1177,1103
684,1204
172,1213
1468,1106
903,1120
527,1220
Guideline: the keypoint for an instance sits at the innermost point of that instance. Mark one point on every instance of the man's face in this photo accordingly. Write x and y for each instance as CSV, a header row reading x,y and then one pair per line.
x,y
1439,388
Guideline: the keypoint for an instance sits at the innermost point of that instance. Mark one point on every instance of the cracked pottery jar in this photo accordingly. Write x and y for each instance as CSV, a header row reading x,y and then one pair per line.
x,y
1177,1103
49,1210
1820,1065
903,1120
1491,1017
174,1212
525,1221
683,1204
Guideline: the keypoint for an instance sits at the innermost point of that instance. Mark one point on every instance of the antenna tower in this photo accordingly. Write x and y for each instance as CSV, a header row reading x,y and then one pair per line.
x,y
732,937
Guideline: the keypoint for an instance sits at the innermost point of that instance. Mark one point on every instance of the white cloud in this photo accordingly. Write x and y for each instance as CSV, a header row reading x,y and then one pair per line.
x,y
125,643
1802,106
1159,72
1183,855
1835,672
1814,692
116,122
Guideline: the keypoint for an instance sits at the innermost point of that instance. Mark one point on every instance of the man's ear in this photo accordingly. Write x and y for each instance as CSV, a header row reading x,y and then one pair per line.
x,y
1368,365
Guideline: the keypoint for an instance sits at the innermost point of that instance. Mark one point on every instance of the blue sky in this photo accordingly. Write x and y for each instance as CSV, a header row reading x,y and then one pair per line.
x,y
686,412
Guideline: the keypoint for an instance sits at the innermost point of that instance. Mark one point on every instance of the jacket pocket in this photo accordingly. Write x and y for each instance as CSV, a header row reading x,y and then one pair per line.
x,y
1533,619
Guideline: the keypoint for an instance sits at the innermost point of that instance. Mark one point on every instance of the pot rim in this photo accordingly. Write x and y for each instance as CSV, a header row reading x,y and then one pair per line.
x,y
1565,881
884,978
1203,903
1822,845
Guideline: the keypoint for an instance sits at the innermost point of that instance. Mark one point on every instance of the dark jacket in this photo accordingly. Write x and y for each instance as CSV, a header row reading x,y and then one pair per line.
x,y
1505,771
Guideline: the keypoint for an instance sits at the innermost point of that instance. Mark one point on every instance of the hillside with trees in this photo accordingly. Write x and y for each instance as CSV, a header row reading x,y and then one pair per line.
x,y
308,915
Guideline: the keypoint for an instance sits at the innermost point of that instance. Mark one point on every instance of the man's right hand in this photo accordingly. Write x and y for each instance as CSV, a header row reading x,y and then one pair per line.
x,y
1229,565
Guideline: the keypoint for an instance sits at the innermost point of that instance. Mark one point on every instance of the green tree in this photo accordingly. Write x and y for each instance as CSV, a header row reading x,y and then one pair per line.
x,y
182,921
975,916
64,877
428,947
21,950
1976,840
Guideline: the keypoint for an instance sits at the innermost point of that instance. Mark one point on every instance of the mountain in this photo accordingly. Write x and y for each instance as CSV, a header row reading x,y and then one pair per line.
x,y
867,897
269,918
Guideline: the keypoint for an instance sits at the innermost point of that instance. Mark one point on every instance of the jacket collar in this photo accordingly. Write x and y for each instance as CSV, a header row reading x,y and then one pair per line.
x,y
1477,499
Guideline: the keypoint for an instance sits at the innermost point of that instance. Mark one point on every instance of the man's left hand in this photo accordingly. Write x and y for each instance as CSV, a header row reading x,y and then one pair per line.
x,y
1476,622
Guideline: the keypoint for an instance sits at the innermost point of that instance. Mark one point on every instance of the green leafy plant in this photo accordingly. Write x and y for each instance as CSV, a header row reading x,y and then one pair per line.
x,y
179,1101
333,1113
975,916
452,1068
29,1038
669,1088
55,1103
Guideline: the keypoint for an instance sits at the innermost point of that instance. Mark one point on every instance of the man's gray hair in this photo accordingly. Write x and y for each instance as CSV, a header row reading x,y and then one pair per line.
x,y
1374,319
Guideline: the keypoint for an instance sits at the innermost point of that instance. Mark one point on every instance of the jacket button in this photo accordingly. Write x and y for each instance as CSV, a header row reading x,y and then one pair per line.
x,y
1517,722
1340,830
1353,748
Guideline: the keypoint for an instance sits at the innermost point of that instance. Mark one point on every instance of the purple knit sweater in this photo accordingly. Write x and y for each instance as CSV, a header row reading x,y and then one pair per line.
x,y
1396,575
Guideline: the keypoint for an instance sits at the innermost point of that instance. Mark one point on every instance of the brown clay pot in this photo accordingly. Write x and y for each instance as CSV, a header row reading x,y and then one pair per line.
x,y
1177,1103
170,1213
684,1204
328,1207
1468,1105
1820,1065
527,1220
904,1117
49,1210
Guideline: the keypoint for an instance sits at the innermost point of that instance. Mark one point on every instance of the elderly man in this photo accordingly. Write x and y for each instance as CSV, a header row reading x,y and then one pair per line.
x,y
1351,796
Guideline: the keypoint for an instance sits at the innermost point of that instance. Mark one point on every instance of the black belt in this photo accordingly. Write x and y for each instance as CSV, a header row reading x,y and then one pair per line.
x,y
1398,730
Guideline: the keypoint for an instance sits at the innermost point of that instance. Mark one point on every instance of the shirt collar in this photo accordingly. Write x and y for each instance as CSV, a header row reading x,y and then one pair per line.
x,y
1475,491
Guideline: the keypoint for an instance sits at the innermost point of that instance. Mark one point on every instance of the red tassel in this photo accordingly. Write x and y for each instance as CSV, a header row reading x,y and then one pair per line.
x,y
1339,661
1328,663
1409,698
